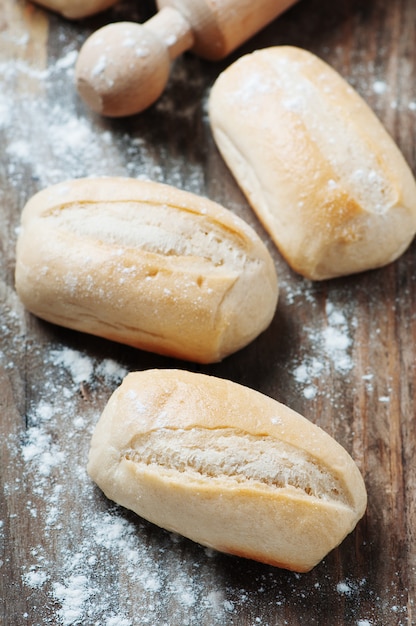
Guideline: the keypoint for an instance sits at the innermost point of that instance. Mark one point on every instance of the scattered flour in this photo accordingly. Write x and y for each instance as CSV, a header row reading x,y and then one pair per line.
x,y
35,578
97,537
99,542
72,595
379,87
72,142
96,546
79,366
326,350
344,588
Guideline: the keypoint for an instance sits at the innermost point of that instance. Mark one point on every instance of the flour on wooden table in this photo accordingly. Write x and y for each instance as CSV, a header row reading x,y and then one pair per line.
x,y
380,87
101,539
323,349
58,142
76,558
54,469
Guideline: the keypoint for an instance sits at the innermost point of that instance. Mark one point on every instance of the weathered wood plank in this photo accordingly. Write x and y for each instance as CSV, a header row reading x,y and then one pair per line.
x,y
340,352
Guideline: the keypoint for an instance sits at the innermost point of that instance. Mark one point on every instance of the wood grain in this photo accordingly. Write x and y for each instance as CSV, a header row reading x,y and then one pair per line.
x,y
67,555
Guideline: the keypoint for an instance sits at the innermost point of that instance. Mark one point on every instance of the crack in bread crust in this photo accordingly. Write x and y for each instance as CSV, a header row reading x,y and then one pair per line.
x,y
161,229
234,457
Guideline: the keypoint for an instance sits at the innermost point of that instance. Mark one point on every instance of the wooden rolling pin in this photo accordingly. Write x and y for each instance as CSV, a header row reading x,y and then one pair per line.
x,y
123,68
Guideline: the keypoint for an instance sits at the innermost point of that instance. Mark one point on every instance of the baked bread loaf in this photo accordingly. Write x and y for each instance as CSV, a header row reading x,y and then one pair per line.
x,y
147,265
227,467
316,165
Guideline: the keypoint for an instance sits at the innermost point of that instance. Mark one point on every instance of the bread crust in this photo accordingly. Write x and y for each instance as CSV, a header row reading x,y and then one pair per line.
x,y
145,264
318,168
227,467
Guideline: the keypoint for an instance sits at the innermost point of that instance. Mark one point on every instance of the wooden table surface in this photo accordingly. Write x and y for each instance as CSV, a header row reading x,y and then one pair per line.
x,y
340,352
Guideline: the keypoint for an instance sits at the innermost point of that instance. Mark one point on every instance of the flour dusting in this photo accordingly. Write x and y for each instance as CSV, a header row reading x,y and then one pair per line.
x,y
97,537
75,144
82,552
327,349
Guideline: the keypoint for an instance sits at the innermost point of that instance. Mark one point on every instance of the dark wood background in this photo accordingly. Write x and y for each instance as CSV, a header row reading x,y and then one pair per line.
x,y
340,352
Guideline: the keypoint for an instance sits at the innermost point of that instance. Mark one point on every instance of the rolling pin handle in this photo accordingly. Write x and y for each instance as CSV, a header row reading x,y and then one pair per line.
x,y
123,67
173,29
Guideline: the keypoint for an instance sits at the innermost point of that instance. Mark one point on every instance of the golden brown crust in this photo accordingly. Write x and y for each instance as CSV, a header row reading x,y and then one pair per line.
x,y
147,265
227,467
320,171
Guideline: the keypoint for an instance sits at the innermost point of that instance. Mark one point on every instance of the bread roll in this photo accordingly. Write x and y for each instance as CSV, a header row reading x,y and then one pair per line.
x,y
227,467
318,168
145,264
